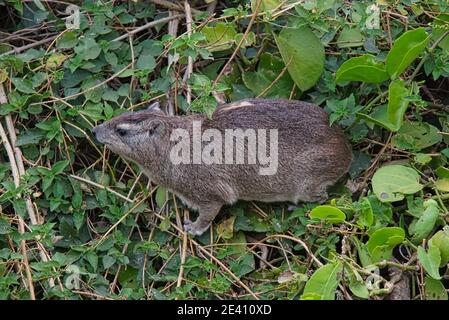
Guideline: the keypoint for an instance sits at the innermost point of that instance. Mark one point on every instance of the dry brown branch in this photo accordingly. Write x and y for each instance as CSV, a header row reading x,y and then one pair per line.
x,y
16,178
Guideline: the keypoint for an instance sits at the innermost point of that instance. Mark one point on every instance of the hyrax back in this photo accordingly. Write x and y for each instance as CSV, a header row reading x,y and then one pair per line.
x,y
303,155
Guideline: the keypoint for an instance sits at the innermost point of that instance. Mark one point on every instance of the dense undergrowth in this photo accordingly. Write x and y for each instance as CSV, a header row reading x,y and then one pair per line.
x,y
78,222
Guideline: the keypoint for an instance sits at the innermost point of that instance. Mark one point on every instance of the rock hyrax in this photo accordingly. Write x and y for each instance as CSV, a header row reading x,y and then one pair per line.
x,y
254,149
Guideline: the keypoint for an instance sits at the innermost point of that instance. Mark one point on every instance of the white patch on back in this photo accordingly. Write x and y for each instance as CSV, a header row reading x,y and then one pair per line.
x,y
237,105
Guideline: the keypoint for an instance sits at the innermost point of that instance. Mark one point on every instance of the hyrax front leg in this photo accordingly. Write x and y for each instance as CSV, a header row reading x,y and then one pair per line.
x,y
207,213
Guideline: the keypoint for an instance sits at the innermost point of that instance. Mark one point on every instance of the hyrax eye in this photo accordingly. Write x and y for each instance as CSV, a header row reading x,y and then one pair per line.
x,y
121,132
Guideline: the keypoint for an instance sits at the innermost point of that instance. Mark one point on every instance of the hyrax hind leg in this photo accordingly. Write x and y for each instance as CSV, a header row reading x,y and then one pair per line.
x,y
207,213
315,193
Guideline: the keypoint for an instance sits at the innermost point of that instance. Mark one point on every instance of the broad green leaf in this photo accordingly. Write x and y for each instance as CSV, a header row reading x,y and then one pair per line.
x,y
161,197
88,49
397,104
363,68
328,214
59,167
350,37
415,136
441,241
323,282
391,116
363,253
358,287
366,217
23,85
30,136
146,62
390,183
405,50
430,261
425,224
382,242
67,41
311,296
268,71
442,172
303,52
108,261
435,290
220,36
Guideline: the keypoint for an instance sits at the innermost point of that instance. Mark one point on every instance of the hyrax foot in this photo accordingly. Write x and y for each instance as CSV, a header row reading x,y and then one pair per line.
x,y
194,228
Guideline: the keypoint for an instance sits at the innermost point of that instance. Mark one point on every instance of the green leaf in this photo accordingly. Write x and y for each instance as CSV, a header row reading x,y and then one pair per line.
x,y
390,183
23,85
268,71
357,285
328,213
391,117
108,261
67,41
382,242
366,217
146,62
441,241
405,50
303,52
161,197
430,261
425,224
363,68
88,49
435,290
415,136
350,37
220,36
31,136
323,282
59,167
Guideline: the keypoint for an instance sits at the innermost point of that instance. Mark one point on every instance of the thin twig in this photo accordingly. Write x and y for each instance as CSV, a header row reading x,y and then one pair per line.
x,y
189,69
29,46
245,35
149,25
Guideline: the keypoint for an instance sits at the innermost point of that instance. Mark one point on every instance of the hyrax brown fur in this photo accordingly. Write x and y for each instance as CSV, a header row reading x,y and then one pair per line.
x,y
311,155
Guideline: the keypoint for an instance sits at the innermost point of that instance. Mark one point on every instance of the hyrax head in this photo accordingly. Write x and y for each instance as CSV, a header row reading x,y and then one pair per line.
x,y
135,135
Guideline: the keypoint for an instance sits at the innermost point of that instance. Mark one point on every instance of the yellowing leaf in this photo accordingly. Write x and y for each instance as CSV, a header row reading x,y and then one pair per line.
x,y
55,60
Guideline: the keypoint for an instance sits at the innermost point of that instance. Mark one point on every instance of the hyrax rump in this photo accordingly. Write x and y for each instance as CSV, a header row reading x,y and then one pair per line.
x,y
311,155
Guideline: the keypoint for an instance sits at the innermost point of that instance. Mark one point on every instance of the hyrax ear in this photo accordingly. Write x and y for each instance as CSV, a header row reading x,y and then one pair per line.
x,y
155,107
156,127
